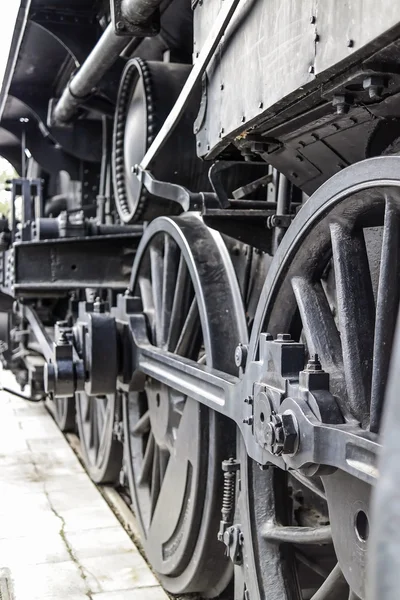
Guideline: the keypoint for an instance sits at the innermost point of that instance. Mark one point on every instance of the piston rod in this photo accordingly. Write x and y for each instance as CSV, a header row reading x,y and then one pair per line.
x,y
102,57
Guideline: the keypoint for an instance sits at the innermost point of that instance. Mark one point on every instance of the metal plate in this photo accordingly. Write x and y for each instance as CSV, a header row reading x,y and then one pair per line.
x,y
293,48
70,263
276,38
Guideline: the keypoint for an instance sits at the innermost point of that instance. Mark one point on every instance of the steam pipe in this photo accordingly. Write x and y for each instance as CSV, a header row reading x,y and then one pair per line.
x,y
101,58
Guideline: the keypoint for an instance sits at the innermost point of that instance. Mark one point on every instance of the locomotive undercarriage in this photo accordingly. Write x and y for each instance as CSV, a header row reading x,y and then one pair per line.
x,y
219,340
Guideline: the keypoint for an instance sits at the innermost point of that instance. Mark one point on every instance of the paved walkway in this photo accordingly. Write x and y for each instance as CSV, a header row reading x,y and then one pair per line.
x,y
58,536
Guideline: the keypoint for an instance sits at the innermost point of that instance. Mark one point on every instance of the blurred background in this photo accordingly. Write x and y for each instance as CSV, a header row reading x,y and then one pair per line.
x,y
9,11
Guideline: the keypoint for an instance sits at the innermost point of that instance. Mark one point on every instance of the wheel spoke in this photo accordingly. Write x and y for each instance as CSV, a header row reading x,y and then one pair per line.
x,y
94,426
314,566
156,267
188,333
168,287
180,304
147,461
335,586
386,309
155,480
143,425
164,458
356,315
320,332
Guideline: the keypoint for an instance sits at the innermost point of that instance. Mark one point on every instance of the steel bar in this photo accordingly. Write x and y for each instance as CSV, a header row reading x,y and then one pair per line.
x,y
297,535
343,447
102,57
206,53
40,333
335,586
99,61
310,564
208,386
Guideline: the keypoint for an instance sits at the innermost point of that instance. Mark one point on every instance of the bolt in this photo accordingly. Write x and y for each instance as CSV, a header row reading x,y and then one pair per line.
x,y
248,421
281,434
283,337
314,364
350,43
342,103
221,87
312,20
261,105
316,38
120,26
374,84
248,400
230,466
311,69
241,355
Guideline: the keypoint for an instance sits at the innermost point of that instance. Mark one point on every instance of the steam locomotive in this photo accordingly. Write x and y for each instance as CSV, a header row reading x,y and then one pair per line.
x,y
200,271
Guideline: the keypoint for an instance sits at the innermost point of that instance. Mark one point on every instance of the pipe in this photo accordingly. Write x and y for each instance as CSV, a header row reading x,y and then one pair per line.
x,y
101,58
139,11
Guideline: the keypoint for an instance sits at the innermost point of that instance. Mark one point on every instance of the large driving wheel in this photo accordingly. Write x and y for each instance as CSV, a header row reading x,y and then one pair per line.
x,y
175,446
101,447
334,286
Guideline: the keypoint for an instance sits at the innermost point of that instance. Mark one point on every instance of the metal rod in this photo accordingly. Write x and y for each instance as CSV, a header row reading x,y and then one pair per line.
x,y
101,58
311,564
139,11
23,154
334,586
282,207
297,535
307,482
40,333
221,23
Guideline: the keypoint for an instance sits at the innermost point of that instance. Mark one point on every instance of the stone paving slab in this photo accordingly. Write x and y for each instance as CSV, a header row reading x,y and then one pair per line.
x,y
58,536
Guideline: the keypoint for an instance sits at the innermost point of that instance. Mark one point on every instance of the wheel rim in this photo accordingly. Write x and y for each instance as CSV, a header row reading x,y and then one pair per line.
x,y
101,449
64,413
332,235
174,445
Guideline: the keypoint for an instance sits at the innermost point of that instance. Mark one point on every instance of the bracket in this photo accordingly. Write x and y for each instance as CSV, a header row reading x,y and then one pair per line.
x,y
123,26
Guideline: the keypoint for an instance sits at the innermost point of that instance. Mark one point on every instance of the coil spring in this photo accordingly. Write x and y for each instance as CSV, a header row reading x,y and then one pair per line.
x,y
228,498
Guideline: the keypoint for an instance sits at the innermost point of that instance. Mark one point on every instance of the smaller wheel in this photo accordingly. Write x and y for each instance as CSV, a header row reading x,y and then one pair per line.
x,y
64,413
101,449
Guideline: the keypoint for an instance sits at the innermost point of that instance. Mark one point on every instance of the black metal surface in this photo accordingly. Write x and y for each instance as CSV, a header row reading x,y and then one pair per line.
x,y
69,263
